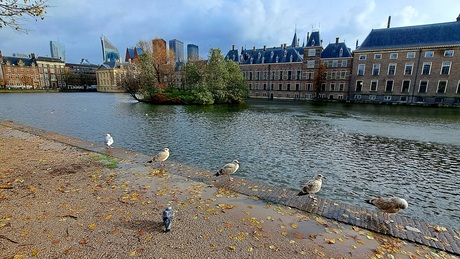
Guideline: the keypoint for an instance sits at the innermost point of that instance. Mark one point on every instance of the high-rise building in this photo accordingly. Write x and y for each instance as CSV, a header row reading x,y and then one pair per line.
x,y
178,47
57,50
109,51
192,52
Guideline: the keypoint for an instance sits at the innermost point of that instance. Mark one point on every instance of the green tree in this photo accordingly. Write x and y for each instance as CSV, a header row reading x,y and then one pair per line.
x,y
11,11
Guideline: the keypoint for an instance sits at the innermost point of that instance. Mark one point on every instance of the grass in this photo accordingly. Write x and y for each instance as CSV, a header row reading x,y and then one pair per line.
x,y
108,161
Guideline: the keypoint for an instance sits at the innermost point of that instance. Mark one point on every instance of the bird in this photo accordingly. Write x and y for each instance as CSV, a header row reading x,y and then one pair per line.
x,y
312,186
168,215
388,205
229,168
108,140
161,156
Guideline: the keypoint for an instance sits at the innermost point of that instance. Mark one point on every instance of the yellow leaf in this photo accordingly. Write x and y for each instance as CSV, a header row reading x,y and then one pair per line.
x,y
270,218
35,252
292,241
133,253
340,239
232,247
330,240
272,247
107,217
284,233
438,228
294,225
250,249
92,226
32,188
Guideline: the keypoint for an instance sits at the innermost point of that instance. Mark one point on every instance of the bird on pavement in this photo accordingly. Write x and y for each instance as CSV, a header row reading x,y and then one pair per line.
x,y
161,156
168,215
108,140
229,168
388,205
312,186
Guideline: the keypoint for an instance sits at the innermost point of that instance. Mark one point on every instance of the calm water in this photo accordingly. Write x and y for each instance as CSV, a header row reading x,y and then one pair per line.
x,y
363,150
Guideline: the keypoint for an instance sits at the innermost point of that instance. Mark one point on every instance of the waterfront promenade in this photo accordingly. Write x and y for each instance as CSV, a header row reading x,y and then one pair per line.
x,y
59,200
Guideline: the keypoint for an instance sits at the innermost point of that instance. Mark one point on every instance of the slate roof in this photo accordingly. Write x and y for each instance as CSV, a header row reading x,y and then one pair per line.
x,y
132,53
413,36
336,50
15,60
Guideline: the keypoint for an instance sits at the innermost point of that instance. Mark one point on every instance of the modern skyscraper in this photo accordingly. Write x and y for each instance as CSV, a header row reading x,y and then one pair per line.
x,y
109,51
57,50
178,47
192,52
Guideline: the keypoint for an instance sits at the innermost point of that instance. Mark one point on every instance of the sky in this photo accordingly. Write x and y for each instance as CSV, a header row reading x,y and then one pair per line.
x,y
212,23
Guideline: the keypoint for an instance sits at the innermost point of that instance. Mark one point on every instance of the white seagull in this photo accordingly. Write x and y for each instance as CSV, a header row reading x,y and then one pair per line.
x,y
388,205
312,186
229,168
108,140
161,156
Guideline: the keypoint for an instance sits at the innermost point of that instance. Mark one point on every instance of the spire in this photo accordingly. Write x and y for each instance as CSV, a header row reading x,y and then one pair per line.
x,y
294,40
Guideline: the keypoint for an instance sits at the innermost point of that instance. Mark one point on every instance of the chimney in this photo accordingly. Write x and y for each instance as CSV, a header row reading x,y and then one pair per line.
x,y
32,55
233,47
389,21
254,48
265,47
337,40
458,18
308,36
356,44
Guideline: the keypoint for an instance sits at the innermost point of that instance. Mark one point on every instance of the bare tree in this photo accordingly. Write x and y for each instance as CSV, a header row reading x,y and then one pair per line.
x,y
11,11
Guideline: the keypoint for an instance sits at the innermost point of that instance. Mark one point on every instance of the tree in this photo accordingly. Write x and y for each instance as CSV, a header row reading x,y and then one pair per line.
x,y
319,79
11,11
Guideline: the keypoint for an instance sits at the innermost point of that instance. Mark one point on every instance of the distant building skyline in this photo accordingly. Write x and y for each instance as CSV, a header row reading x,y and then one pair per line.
x,y
192,52
109,50
57,50
178,47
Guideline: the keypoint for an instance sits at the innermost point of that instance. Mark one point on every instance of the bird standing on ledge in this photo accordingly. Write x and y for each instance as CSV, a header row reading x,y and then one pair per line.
x,y
108,140
312,186
388,205
161,156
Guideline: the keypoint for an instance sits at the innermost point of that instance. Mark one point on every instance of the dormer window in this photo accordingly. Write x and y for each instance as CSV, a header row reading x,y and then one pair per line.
x,y
313,42
285,53
291,58
271,54
263,60
341,52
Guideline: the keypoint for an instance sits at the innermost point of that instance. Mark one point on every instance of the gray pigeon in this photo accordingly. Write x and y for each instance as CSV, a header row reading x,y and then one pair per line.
x,y
312,186
229,168
108,140
388,205
168,215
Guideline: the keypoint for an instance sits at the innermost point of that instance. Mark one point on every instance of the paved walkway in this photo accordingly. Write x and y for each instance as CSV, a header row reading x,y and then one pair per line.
x,y
446,239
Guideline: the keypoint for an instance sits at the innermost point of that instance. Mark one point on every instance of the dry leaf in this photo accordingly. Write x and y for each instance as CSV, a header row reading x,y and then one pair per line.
x,y
299,235
330,240
294,225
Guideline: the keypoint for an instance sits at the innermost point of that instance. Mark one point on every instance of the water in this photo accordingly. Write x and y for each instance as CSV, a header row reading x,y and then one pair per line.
x,y
363,150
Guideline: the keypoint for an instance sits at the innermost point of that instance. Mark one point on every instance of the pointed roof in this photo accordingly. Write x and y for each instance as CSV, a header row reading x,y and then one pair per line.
x,y
294,40
413,36
314,40
336,50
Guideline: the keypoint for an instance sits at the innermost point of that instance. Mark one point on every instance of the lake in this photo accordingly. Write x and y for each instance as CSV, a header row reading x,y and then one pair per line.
x,y
363,150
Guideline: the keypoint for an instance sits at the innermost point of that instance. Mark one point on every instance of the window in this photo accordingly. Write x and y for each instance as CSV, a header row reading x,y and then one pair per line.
x,y
311,64
372,97
391,69
344,63
280,75
448,53
362,57
332,86
389,86
445,69
410,55
393,55
308,86
250,75
264,75
378,56
359,86
408,69
405,86
343,74
341,86
426,68
376,69
374,84
288,87
257,75
429,54
442,86
310,75
387,98
265,86
280,86
297,87
289,75
323,87
311,52
335,63
326,63
361,68
298,75
423,87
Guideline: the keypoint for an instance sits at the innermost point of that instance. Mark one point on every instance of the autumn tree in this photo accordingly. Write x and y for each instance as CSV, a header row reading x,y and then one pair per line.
x,y
319,79
11,11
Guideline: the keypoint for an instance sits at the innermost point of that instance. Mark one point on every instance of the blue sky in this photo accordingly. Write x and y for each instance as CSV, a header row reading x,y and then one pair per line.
x,y
213,23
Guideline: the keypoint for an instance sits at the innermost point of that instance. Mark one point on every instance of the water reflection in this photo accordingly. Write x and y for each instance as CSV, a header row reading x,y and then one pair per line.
x,y
364,150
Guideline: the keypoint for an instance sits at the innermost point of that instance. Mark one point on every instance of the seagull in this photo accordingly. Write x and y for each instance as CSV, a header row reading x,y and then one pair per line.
x,y
229,168
161,156
388,205
168,215
312,186
108,140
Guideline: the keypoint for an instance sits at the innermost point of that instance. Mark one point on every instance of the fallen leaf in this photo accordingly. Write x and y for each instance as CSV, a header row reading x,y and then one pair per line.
x,y
330,240
299,235
294,225
107,217
438,228
92,226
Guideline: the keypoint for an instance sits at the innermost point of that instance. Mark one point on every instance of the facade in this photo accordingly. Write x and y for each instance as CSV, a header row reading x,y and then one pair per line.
x,y
192,52
109,51
80,76
57,50
414,64
19,73
110,76
51,72
178,47
288,72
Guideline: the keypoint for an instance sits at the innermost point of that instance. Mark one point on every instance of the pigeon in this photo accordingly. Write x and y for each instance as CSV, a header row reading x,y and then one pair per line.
x,y
161,157
312,186
108,140
388,205
229,168
168,215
